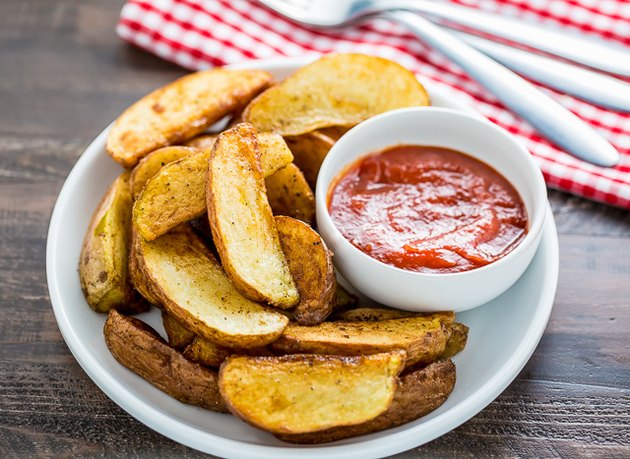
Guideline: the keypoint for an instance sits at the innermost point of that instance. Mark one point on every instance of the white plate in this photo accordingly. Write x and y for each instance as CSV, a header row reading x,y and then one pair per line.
x,y
503,333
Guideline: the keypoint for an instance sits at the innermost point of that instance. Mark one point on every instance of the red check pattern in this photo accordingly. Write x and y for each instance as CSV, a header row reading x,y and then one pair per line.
x,y
198,34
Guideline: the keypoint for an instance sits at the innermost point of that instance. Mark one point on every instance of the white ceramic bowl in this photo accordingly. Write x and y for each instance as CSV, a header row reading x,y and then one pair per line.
x,y
459,131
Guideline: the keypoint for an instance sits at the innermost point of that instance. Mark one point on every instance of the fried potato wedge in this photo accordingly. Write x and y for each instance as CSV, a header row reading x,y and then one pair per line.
x,y
141,349
419,392
191,285
181,110
210,354
103,265
152,163
372,314
336,90
202,141
136,272
178,336
422,337
344,300
307,393
457,341
177,192
242,223
334,132
290,194
309,151
311,266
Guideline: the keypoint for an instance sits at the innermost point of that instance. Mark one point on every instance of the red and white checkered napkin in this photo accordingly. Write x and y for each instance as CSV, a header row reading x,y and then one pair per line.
x,y
198,34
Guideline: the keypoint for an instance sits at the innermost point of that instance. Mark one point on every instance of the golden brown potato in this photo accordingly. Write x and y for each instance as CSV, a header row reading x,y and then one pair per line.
x,y
334,132
103,265
153,162
136,272
419,392
422,337
336,90
306,393
372,314
310,263
344,300
191,285
457,342
206,352
242,223
181,110
178,336
210,354
309,151
177,192
289,194
202,141
141,349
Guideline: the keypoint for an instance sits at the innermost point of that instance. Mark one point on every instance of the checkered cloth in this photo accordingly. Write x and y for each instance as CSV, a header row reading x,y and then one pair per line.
x,y
198,34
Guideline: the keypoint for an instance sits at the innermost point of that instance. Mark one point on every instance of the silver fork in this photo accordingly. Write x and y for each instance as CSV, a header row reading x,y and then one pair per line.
x,y
548,117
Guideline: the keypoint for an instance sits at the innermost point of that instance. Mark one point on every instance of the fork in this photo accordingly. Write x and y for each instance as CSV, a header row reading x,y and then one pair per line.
x,y
552,120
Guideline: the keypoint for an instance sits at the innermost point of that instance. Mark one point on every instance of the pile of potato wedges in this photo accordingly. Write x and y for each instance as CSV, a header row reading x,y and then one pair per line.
x,y
215,229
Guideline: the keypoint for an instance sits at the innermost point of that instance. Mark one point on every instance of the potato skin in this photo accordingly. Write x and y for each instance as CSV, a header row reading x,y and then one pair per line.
x,y
419,392
311,266
178,336
180,110
290,194
103,265
141,349
457,342
309,151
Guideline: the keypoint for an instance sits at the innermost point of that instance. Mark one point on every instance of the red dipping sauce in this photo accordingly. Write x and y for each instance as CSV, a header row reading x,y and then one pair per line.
x,y
427,209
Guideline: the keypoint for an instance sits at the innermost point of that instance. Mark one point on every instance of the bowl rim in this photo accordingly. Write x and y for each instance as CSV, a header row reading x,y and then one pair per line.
x,y
536,221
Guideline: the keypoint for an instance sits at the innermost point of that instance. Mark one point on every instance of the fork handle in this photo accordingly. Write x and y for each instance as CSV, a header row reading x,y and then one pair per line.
x,y
548,117
602,56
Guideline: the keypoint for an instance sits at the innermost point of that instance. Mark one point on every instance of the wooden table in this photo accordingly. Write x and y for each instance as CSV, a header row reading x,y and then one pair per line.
x,y
64,75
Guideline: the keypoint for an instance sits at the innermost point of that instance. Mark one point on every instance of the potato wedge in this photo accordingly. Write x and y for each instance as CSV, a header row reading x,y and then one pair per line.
x,y
137,272
142,350
334,132
422,337
181,110
419,392
210,354
336,90
309,151
202,141
372,314
344,300
177,193
178,336
206,352
290,194
457,341
306,393
191,285
103,264
310,263
242,224
152,163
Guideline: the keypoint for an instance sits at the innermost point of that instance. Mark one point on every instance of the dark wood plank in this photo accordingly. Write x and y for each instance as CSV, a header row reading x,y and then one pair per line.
x,y
64,76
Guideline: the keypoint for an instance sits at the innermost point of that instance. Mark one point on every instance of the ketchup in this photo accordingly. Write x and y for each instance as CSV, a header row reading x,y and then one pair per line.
x,y
427,209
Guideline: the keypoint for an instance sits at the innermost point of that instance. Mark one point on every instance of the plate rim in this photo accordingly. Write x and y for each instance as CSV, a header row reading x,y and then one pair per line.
x,y
212,443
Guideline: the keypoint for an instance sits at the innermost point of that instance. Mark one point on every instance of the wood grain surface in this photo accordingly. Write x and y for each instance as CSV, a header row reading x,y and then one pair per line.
x,y
64,75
